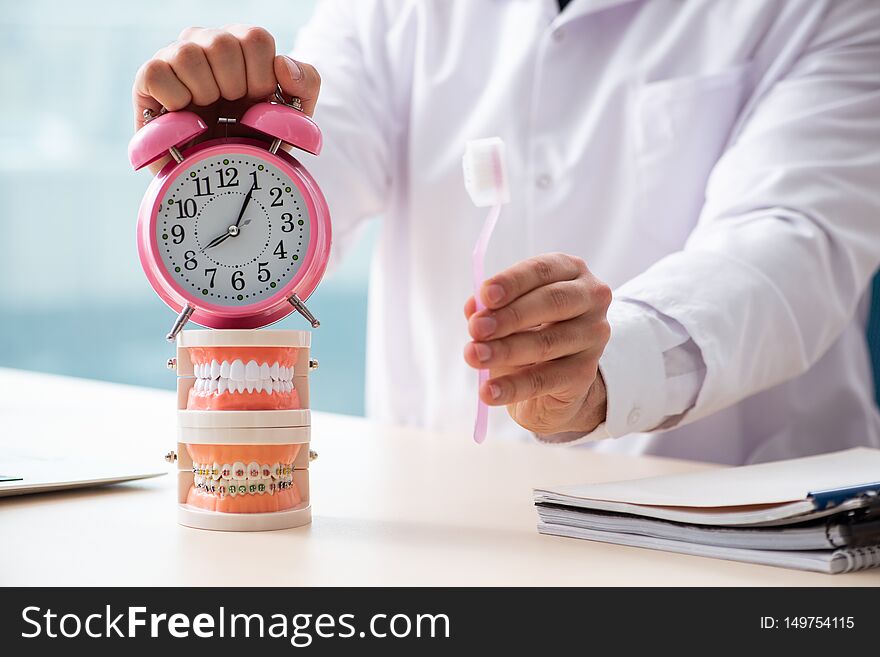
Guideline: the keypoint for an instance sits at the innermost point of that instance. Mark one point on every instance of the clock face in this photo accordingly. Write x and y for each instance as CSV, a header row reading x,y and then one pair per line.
x,y
233,229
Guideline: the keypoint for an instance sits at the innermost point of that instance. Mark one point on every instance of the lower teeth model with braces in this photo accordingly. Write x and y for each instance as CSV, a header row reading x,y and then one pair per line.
x,y
241,479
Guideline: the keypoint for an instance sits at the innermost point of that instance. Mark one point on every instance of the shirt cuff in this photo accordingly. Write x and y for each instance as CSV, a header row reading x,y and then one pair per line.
x,y
634,371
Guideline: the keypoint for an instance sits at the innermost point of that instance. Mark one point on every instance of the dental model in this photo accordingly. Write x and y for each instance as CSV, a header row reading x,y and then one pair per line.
x,y
243,429
242,378
485,178
223,481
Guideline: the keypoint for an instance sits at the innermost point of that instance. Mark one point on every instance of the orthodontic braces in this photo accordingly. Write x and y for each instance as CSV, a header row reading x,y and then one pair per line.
x,y
241,479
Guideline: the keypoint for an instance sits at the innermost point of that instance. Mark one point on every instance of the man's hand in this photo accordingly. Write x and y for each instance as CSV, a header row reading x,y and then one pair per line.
x,y
541,336
220,72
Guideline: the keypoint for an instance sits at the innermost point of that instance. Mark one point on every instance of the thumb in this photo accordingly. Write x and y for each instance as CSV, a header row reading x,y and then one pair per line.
x,y
298,79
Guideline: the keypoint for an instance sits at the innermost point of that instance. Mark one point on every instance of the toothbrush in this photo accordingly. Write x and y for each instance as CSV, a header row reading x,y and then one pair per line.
x,y
485,178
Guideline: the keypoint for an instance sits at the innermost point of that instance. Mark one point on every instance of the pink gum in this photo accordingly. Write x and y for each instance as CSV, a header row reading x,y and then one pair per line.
x,y
241,401
285,356
245,453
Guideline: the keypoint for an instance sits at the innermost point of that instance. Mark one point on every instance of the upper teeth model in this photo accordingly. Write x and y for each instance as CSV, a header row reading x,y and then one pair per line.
x,y
253,380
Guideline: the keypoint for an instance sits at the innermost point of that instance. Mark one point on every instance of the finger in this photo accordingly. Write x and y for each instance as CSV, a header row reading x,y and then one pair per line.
x,y
552,341
156,86
470,307
567,379
190,65
299,79
225,58
528,275
552,303
258,47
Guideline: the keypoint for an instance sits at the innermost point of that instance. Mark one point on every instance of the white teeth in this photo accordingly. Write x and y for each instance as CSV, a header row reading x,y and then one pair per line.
x,y
215,471
276,470
236,370
236,376
252,371
230,490
265,471
239,471
253,470
226,470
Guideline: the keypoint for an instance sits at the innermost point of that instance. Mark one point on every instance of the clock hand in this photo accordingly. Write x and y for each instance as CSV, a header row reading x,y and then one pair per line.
x,y
217,240
233,230
247,199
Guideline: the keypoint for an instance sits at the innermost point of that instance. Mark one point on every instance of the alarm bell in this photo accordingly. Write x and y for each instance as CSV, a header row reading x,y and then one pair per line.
x,y
163,135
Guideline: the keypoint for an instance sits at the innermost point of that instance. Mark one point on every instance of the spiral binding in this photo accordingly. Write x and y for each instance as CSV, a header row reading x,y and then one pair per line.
x,y
860,558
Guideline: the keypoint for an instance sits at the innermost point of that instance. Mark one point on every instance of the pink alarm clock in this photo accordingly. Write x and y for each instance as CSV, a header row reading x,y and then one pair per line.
x,y
233,233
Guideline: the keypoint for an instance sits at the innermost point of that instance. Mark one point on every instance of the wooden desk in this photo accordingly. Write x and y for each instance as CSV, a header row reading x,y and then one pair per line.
x,y
391,506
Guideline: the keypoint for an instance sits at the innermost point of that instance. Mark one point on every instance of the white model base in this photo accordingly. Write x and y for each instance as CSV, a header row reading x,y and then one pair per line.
x,y
243,522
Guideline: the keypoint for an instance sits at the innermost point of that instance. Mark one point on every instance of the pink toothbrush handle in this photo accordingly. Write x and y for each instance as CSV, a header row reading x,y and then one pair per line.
x,y
479,255
482,423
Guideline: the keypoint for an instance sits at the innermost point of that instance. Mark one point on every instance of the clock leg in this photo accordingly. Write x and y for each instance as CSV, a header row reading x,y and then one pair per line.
x,y
180,322
297,303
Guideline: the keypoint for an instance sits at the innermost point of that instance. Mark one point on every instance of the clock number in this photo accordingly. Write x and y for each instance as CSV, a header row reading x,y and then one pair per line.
x,y
287,218
279,250
261,269
178,233
228,177
255,185
207,183
238,280
190,262
186,208
213,271
276,194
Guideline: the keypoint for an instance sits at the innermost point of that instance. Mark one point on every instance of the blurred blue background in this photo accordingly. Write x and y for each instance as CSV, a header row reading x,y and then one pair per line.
x,y
74,300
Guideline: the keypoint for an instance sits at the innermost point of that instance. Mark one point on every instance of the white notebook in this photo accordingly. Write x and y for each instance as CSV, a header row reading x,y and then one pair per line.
x,y
817,513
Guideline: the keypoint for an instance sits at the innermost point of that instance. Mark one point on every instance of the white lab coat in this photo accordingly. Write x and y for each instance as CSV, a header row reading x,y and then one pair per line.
x,y
716,162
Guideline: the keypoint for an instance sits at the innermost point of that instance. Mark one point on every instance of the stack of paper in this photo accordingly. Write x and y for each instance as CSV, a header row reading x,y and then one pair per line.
x,y
817,513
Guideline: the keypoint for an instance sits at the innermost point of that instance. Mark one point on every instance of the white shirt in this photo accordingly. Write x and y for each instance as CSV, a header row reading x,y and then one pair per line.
x,y
716,162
